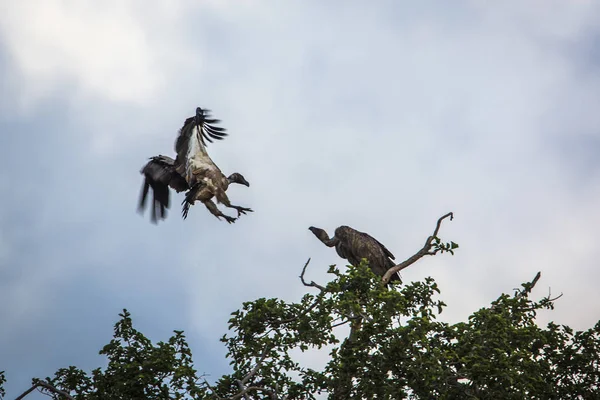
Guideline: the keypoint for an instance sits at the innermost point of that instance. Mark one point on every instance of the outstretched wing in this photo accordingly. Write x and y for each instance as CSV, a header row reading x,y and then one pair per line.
x,y
160,174
190,145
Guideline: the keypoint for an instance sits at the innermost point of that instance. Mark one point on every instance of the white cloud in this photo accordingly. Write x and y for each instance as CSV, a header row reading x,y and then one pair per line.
x,y
105,49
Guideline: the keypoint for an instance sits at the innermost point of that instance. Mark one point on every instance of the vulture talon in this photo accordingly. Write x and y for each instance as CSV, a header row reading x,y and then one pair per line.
x,y
242,210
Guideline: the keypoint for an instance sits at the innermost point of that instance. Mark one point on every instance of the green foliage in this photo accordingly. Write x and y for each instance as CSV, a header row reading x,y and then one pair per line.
x,y
2,382
397,349
136,369
443,247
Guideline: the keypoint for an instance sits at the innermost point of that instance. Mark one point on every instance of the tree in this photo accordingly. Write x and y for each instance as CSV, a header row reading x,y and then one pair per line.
x,y
397,349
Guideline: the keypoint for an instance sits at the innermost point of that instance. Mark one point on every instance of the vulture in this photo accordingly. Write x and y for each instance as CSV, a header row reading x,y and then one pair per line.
x,y
354,245
192,171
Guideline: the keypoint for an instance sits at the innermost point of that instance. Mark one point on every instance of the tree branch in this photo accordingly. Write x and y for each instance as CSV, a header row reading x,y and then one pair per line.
x,y
312,283
424,251
529,287
254,370
244,390
47,386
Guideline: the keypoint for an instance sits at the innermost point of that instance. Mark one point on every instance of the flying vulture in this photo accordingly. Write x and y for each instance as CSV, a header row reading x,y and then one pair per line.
x,y
192,171
354,245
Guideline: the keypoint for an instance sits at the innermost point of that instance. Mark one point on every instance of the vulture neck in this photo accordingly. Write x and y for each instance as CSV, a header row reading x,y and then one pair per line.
x,y
324,237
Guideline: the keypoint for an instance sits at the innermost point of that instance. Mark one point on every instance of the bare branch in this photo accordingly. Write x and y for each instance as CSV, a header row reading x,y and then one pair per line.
x,y
424,251
555,298
528,287
243,392
47,386
439,223
340,323
533,282
254,370
550,298
212,388
25,393
312,283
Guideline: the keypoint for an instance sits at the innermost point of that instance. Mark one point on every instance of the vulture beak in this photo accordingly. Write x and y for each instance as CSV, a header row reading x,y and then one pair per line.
x,y
244,182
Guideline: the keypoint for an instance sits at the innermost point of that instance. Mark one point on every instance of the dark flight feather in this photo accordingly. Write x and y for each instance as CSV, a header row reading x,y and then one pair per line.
x,y
160,174
203,125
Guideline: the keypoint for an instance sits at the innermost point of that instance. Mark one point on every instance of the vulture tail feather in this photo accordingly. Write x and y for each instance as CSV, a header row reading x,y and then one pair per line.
x,y
143,196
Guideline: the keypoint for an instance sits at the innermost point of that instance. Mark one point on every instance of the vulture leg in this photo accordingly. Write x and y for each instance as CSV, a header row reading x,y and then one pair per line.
x,y
212,207
223,199
241,210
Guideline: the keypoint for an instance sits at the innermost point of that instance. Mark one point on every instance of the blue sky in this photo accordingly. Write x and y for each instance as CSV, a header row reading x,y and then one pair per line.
x,y
382,117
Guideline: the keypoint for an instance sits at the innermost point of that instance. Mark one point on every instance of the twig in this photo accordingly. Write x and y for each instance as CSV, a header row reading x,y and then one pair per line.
x,y
528,287
244,390
424,251
212,388
341,323
533,282
312,283
555,298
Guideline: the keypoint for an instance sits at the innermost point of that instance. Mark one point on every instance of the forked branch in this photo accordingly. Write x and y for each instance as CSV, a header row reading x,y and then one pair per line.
x,y
312,283
426,250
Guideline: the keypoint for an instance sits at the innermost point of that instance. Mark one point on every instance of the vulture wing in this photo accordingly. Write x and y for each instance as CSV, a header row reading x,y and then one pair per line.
x,y
383,248
356,245
190,145
160,174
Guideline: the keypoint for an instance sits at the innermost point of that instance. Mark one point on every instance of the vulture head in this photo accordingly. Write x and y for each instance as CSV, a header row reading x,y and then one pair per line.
x,y
319,233
238,178
323,236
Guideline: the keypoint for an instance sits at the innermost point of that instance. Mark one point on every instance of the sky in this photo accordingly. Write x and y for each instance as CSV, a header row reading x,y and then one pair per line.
x,y
382,116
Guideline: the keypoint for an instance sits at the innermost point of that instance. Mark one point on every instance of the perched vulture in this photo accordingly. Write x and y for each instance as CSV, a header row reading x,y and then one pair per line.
x,y
192,170
354,245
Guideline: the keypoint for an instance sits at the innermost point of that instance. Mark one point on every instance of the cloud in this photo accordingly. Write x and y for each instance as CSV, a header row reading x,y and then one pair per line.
x,y
107,50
